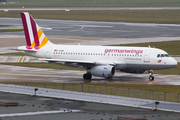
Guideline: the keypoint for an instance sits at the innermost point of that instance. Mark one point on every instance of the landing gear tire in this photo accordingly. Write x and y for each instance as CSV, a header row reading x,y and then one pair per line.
x,y
87,76
151,78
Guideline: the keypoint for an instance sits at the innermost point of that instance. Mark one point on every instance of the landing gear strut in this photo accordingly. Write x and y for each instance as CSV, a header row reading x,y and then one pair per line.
x,y
87,76
151,77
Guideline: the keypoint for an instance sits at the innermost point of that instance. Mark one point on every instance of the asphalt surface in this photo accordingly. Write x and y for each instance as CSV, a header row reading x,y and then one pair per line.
x,y
44,108
28,74
98,29
93,33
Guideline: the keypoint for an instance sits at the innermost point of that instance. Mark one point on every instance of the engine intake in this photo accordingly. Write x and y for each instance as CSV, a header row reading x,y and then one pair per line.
x,y
103,71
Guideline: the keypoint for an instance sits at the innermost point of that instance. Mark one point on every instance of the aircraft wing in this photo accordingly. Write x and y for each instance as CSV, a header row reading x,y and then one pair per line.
x,y
84,62
67,60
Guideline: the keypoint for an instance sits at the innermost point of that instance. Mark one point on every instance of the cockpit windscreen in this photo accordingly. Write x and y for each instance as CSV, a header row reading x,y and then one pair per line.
x,y
163,55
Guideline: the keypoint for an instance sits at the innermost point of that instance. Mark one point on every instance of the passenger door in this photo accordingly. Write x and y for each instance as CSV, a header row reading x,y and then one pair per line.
x,y
147,56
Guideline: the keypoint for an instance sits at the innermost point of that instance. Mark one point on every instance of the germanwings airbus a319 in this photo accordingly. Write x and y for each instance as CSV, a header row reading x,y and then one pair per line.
x,y
102,61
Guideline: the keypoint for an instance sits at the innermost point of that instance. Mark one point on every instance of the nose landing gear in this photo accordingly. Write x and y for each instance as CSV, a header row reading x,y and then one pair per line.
x,y
151,77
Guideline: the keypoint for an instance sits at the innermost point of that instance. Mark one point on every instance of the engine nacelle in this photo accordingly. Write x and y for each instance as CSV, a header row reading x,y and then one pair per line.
x,y
134,71
103,71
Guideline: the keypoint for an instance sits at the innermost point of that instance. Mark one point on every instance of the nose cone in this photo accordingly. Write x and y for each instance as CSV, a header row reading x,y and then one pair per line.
x,y
173,62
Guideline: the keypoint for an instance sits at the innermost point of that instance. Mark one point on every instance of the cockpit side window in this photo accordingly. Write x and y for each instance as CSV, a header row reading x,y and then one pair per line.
x,y
166,55
163,55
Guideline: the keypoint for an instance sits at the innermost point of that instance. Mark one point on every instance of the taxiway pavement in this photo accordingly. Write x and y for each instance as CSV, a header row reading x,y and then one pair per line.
x,y
26,74
98,33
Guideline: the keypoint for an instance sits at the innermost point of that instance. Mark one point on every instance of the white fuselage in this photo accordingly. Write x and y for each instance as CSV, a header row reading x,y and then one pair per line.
x,y
124,58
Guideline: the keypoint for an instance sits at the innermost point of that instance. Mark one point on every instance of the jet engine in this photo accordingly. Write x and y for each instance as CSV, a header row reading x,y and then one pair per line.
x,y
134,71
103,71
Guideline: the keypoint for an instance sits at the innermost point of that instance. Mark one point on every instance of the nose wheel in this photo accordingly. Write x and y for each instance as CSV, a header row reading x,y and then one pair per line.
x,y
151,77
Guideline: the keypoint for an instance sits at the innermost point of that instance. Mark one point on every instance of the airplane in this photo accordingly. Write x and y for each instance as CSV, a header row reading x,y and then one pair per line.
x,y
101,61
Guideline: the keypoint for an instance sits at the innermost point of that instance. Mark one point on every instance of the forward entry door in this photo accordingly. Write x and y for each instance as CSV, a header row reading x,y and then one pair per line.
x,y
147,56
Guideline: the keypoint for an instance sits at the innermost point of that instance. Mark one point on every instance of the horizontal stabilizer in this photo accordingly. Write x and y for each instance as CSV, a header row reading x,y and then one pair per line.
x,y
23,48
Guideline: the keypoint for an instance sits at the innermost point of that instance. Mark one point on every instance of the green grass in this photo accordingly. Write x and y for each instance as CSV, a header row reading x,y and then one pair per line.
x,y
43,65
11,30
4,25
170,89
152,16
13,54
92,3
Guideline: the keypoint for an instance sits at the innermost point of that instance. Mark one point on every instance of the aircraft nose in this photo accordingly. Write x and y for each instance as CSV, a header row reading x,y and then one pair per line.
x,y
173,62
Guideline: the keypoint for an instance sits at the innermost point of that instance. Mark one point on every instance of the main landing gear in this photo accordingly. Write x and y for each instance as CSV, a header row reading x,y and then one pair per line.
x,y
151,77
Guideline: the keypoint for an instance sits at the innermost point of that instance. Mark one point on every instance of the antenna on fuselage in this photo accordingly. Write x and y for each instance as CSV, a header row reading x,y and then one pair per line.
x,y
151,47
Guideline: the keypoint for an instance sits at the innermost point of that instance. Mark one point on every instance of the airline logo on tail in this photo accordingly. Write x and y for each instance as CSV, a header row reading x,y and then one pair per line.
x,y
35,38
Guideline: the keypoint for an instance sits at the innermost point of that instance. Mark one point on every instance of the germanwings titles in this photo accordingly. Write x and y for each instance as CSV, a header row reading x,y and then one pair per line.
x,y
102,61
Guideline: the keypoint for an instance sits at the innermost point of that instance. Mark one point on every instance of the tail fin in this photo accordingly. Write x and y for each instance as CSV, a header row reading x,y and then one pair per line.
x,y
35,38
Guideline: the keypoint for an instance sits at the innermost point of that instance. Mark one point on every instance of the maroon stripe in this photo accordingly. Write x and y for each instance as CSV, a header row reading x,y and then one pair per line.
x,y
23,17
34,29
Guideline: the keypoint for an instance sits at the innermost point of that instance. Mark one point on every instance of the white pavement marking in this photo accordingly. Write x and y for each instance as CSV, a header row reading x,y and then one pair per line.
x,y
36,113
11,36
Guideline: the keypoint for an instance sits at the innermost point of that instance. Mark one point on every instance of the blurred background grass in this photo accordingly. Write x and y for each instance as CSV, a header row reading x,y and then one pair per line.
x,y
92,3
136,16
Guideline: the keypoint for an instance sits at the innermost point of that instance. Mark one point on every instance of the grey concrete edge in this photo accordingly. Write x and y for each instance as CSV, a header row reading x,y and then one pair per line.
x,y
55,90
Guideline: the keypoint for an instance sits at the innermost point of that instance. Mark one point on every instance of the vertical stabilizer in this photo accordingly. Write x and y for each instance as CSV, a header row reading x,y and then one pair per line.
x,y
35,38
